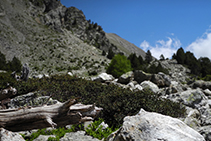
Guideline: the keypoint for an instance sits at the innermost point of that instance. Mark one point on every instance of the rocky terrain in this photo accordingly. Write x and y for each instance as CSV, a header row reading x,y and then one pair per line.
x,y
54,39
177,86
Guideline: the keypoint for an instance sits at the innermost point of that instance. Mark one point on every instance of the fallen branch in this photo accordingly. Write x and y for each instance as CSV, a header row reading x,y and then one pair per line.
x,y
58,115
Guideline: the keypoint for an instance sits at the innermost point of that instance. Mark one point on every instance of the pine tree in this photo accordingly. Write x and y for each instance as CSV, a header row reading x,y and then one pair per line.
x,y
205,66
14,65
103,53
148,57
162,57
134,61
180,56
192,63
110,53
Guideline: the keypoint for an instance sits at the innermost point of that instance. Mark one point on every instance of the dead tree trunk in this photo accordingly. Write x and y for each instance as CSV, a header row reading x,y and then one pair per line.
x,y
47,116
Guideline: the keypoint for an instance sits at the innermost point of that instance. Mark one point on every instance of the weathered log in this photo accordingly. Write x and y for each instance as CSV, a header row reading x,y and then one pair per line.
x,y
57,115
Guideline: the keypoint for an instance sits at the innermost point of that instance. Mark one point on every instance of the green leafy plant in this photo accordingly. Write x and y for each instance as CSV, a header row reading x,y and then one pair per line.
x,y
119,65
97,131
59,133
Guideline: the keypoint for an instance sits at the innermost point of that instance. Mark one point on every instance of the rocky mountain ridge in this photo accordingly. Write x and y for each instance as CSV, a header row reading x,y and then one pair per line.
x,y
52,38
124,45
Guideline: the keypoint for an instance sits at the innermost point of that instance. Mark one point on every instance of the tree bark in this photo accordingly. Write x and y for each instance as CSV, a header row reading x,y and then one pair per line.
x,y
58,115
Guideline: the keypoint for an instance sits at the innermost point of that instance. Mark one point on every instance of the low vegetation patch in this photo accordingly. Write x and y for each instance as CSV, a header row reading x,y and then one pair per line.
x,y
115,101
95,130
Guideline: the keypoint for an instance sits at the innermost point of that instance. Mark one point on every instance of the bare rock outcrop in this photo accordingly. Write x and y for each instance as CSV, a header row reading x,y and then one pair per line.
x,y
151,126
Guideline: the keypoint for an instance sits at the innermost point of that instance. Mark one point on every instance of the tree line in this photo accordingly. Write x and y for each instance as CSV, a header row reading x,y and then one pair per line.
x,y
200,67
121,64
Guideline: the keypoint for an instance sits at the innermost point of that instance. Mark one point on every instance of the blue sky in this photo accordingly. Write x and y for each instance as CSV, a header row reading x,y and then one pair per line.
x,y
161,26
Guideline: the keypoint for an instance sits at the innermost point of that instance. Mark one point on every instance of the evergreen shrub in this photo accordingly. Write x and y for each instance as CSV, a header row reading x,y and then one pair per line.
x,y
115,101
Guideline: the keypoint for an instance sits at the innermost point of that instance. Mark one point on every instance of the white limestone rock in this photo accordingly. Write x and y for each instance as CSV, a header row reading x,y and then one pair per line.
x,y
150,126
151,86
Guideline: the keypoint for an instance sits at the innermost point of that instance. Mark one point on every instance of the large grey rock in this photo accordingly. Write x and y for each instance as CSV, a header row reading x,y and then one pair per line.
x,y
141,76
166,78
150,126
77,136
103,77
192,118
149,85
207,92
25,72
6,135
205,115
138,87
205,131
202,84
125,78
158,80
192,97
177,72
43,137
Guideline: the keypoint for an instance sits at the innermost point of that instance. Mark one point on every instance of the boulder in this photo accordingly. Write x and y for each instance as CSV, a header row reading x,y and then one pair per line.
x,y
151,86
6,135
166,78
43,137
125,78
192,118
158,80
131,85
103,77
25,72
70,73
205,131
202,84
150,126
205,115
141,76
138,87
77,136
192,97
207,92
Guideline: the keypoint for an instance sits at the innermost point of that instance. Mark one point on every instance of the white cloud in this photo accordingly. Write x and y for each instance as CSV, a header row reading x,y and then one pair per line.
x,y
167,48
202,46
144,45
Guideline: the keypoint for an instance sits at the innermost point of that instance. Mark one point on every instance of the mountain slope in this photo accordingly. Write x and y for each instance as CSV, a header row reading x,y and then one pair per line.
x,y
125,46
28,33
52,38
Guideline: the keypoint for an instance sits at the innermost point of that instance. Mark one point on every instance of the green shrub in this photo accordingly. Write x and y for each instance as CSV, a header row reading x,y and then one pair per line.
x,y
119,65
115,101
59,133
96,131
